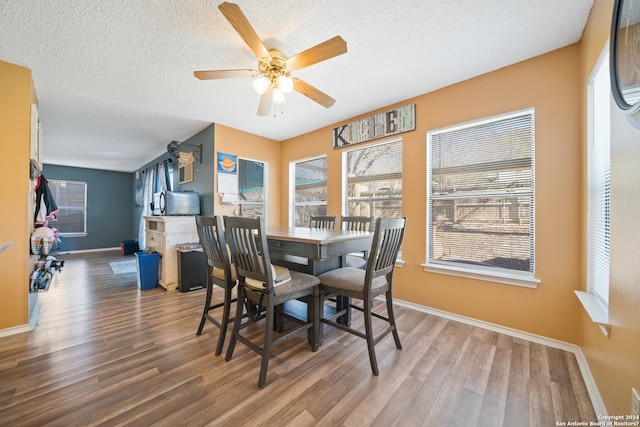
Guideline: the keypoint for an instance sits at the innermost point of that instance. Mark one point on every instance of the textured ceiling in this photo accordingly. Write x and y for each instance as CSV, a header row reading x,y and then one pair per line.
x,y
115,83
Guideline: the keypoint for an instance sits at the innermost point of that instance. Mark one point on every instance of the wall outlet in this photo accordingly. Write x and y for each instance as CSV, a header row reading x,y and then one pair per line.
x,y
635,402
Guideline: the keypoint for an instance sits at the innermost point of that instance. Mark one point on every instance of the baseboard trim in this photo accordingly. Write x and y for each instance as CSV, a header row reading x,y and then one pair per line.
x,y
81,251
33,322
592,389
15,330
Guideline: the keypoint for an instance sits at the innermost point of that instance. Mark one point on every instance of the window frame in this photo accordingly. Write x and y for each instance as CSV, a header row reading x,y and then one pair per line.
x,y
593,302
292,187
55,182
503,276
265,185
345,178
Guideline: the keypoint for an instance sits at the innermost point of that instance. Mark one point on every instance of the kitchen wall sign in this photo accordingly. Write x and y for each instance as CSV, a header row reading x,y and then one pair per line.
x,y
392,122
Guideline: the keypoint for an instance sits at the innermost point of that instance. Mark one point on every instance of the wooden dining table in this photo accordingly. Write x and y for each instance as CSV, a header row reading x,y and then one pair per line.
x,y
315,251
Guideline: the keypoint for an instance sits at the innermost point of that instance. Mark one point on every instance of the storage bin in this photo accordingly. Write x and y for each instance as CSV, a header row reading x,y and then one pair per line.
x,y
129,247
147,265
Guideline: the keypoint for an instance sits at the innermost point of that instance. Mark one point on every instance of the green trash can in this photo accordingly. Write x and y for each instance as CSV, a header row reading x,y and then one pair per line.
x,y
148,267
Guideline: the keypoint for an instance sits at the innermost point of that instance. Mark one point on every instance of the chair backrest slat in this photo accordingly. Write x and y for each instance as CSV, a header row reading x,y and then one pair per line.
x,y
249,249
324,221
211,236
357,223
385,246
389,251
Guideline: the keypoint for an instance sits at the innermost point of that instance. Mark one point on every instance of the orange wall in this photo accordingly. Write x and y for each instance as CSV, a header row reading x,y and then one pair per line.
x,y
15,117
242,144
614,361
547,83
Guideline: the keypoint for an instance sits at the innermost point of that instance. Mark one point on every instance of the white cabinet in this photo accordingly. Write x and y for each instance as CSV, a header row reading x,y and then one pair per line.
x,y
163,233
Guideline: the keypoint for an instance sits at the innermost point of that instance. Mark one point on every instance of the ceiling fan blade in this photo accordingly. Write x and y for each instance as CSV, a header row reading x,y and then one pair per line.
x,y
266,102
241,24
223,74
320,52
312,93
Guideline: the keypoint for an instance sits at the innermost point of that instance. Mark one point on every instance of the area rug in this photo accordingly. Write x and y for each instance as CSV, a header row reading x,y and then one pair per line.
x,y
123,267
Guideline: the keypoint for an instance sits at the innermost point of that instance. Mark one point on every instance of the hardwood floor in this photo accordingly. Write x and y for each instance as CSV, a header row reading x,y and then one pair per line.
x,y
105,353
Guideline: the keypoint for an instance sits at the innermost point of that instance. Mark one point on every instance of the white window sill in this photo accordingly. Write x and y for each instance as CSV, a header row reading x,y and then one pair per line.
x,y
488,276
596,311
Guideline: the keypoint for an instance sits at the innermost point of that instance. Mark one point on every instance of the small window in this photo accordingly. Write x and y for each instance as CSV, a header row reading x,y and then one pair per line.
x,y
480,200
71,198
308,190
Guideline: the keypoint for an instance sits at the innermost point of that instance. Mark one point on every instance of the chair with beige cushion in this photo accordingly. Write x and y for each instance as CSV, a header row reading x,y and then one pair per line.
x,y
367,284
220,273
265,285
357,223
323,221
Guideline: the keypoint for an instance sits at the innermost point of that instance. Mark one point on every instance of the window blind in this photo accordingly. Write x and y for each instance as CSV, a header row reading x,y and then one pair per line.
x,y
481,194
71,198
599,184
374,180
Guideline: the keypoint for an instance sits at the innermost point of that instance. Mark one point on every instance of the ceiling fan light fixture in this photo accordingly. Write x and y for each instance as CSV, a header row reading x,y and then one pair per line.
x,y
272,76
285,84
261,84
278,96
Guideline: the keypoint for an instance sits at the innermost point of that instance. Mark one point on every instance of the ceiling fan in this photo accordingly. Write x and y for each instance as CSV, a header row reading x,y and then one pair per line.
x,y
273,74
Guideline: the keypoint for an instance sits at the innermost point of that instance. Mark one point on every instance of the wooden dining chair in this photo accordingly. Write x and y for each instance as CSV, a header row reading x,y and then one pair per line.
x,y
265,285
367,284
219,273
324,221
357,223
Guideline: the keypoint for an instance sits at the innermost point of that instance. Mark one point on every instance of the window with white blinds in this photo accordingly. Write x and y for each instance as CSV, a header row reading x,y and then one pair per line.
x,y
480,201
71,199
599,185
308,190
373,178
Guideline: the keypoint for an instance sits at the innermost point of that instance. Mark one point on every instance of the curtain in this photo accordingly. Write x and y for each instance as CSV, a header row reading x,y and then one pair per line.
x,y
147,197
163,184
156,178
168,171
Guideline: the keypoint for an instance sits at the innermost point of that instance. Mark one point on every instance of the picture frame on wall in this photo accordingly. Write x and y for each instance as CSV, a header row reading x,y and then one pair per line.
x,y
185,172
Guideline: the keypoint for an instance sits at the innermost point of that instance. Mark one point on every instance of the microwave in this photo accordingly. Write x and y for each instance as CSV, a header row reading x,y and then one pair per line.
x,y
176,203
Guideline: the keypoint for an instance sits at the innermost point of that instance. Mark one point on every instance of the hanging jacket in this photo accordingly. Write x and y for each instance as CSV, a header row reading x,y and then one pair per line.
x,y
46,207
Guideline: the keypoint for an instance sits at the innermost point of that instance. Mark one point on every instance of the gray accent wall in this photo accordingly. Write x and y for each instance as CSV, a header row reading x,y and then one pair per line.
x,y
110,205
111,212
203,173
